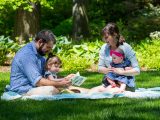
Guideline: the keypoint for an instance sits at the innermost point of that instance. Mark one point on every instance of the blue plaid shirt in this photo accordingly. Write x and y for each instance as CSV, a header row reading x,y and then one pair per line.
x,y
27,69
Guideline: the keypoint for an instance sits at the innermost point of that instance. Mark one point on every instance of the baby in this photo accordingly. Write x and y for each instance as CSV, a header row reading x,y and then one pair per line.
x,y
116,80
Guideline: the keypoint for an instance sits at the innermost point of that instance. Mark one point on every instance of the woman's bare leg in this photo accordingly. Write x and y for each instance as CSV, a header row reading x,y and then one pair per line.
x,y
122,87
102,89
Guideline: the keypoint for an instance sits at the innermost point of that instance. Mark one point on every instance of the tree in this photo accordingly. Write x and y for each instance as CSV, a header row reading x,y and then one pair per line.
x,y
27,23
27,18
80,20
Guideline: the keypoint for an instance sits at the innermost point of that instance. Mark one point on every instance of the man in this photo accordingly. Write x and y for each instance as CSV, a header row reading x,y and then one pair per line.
x,y
27,68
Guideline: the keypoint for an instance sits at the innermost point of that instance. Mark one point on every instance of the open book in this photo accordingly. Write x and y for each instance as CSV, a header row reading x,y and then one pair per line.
x,y
78,79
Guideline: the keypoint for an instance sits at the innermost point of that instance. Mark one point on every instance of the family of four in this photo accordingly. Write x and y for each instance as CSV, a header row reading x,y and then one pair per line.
x,y
32,74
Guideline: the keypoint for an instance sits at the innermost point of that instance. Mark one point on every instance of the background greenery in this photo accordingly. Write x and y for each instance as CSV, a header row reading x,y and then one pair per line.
x,y
138,21
85,55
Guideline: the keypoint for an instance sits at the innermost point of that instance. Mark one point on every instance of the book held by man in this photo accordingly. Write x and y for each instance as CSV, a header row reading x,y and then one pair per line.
x,y
78,79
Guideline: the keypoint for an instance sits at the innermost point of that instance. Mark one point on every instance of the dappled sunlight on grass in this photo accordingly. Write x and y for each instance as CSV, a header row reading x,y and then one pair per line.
x,y
84,109
148,79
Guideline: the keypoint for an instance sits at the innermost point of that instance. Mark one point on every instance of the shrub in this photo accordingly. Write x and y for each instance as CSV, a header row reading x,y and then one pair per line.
x,y
155,35
7,49
64,28
77,57
75,62
145,21
148,54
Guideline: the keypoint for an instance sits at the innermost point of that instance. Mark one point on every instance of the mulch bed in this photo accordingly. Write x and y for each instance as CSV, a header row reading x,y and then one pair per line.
x,y
5,68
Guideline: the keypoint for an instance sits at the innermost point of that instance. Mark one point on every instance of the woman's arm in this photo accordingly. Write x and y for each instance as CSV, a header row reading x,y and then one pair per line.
x,y
129,72
104,70
130,54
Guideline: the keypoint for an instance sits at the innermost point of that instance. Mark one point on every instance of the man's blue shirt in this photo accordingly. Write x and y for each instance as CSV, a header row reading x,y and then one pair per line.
x,y
27,69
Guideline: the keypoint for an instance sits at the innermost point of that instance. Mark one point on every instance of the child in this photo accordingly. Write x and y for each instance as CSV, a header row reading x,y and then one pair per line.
x,y
115,80
53,64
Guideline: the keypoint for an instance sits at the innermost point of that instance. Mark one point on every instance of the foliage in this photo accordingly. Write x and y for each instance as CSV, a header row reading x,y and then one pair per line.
x,y
148,53
75,56
54,19
64,28
8,10
123,29
75,62
86,54
95,28
7,49
6,21
136,18
144,22
62,43
27,5
155,35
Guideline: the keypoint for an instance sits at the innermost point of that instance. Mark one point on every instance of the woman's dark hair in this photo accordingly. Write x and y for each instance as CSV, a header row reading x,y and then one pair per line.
x,y
112,29
46,36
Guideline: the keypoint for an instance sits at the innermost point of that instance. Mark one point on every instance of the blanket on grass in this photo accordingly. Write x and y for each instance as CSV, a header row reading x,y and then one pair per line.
x,y
151,93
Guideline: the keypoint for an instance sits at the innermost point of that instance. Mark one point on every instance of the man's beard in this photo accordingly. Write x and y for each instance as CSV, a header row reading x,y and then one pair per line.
x,y
42,53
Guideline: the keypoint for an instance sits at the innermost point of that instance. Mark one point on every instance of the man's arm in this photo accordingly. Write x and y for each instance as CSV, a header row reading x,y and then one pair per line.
x,y
46,82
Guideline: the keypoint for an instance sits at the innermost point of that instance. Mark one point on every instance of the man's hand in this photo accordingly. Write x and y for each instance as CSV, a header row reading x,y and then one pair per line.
x,y
65,83
68,77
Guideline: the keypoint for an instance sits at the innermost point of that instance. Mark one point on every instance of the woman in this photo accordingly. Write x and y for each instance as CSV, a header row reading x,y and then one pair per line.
x,y
114,40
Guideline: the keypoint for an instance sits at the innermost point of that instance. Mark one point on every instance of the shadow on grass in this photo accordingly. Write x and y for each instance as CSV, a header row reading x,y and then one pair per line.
x,y
148,79
83,109
117,108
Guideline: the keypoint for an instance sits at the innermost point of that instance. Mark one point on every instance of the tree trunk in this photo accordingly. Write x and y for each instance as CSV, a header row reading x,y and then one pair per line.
x,y
27,24
80,20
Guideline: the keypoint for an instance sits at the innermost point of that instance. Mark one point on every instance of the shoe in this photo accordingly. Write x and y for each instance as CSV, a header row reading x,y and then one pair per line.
x,y
66,91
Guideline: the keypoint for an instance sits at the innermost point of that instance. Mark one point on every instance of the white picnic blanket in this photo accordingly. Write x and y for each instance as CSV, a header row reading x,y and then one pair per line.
x,y
151,93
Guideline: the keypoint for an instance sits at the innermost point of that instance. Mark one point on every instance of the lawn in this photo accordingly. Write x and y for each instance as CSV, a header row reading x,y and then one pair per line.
x,y
82,109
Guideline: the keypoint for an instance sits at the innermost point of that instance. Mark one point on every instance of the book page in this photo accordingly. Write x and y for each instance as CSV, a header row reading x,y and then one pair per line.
x,y
78,79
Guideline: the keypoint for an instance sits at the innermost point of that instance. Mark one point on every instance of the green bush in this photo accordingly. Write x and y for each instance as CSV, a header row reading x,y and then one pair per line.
x,y
75,63
95,27
144,22
78,57
82,56
7,49
64,28
148,53
62,44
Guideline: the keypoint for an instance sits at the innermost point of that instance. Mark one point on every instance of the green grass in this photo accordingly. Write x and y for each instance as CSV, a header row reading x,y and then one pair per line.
x,y
83,109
